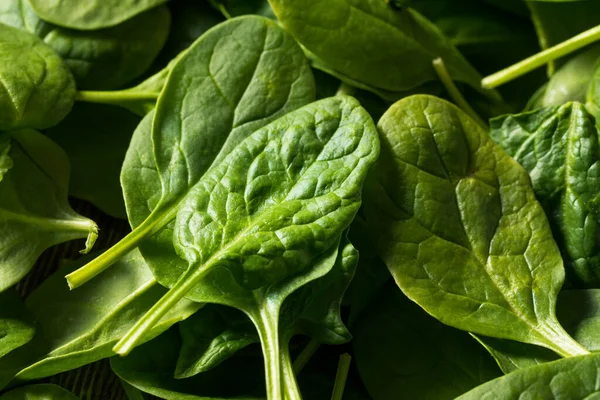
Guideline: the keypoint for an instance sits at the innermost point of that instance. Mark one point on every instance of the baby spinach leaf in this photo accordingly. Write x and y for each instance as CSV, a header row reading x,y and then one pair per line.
x,y
559,148
392,57
458,226
101,59
96,138
34,210
37,89
39,392
133,393
17,325
150,369
99,315
401,352
91,14
511,356
571,378
270,66
592,98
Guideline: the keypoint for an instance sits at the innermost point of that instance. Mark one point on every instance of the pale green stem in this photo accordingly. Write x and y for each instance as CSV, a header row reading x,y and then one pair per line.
x,y
266,322
291,389
541,58
562,344
341,376
345,90
305,356
115,97
455,94
153,223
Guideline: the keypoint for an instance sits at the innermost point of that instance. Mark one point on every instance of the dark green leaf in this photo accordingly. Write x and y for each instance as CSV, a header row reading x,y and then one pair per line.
x,y
39,392
17,325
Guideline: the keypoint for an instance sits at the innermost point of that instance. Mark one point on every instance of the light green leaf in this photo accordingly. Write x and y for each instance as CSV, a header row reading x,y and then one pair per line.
x,y
559,148
34,210
456,222
37,89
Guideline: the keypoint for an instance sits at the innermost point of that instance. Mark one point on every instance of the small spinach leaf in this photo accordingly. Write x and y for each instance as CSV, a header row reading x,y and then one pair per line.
x,y
91,14
458,226
34,210
401,352
559,148
39,392
37,88
571,378
17,325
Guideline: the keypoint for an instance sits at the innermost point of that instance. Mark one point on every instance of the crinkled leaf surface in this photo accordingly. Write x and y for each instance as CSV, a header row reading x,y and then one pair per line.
x,y
96,138
90,14
372,43
100,59
571,378
17,325
37,90
39,392
150,368
100,313
401,352
559,148
34,210
456,222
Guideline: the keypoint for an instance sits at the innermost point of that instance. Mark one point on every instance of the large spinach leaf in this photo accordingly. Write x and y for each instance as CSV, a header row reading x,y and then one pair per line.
x,y
572,378
401,352
37,88
91,14
100,314
559,148
206,120
39,392
101,59
372,44
34,210
17,325
457,223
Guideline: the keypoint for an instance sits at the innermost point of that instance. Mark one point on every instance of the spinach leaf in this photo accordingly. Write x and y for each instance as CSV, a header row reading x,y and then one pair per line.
x,y
92,14
559,148
592,98
39,392
37,88
150,369
132,392
96,138
457,224
101,59
17,325
213,115
401,352
99,315
571,378
34,210
391,57
235,8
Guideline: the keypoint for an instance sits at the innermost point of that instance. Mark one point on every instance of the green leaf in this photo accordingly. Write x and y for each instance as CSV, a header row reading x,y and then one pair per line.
x,y
17,325
101,59
571,378
37,88
34,210
96,138
150,369
456,222
401,352
235,8
91,14
270,66
39,392
559,148
390,58
98,315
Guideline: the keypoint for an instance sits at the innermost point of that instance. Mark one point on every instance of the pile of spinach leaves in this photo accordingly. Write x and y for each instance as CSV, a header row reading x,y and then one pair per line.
x,y
326,199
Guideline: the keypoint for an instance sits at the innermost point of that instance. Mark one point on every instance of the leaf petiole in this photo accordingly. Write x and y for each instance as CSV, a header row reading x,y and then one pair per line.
x,y
115,97
305,356
341,376
541,58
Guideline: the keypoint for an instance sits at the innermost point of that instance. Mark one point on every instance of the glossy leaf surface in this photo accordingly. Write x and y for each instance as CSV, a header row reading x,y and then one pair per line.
x,y
457,223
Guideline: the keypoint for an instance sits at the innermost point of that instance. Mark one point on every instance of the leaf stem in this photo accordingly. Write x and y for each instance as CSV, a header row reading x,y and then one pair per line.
x,y
345,90
541,58
341,376
455,94
115,97
266,321
291,389
305,356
